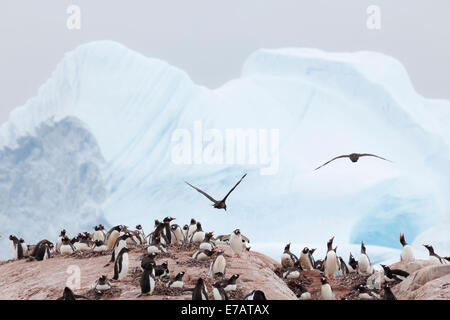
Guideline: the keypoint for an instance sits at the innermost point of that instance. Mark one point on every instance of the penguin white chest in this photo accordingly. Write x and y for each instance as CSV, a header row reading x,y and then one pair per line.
x,y
13,249
206,246
98,235
152,283
407,254
331,264
217,295
198,237
326,293
286,260
124,271
176,284
66,249
236,243
434,260
219,265
363,264
305,262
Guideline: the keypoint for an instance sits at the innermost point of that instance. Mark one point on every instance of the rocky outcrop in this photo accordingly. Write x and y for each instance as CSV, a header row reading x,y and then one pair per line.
x,y
46,279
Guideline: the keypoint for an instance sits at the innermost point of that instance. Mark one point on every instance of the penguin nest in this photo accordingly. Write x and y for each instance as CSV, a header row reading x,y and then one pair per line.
x,y
237,294
87,254
161,289
92,294
194,263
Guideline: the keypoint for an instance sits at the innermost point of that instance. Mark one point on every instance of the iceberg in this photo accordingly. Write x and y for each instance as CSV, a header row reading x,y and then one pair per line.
x,y
320,104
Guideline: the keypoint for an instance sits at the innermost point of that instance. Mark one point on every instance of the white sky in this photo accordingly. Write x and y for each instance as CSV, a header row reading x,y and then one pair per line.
x,y
210,39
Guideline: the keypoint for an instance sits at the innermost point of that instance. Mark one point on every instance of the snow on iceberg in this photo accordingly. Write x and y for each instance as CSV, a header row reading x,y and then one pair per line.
x,y
321,104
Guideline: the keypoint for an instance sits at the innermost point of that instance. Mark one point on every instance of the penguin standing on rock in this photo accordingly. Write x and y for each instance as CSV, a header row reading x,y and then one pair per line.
x,y
121,242
121,264
192,228
230,283
207,244
98,234
24,247
330,262
288,258
236,243
407,254
156,246
218,292
199,235
326,293
177,234
200,291
42,249
185,233
218,266
140,232
59,241
148,281
293,272
364,265
433,257
306,261
16,247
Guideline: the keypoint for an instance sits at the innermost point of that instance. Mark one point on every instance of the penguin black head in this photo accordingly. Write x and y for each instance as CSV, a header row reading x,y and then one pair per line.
x,y
402,239
68,294
363,247
335,249
21,240
179,276
96,228
361,288
234,277
199,226
200,282
217,284
103,278
311,251
11,237
138,227
193,221
429,248
173,227
330,244
164,264
168,219
237,232
305,250
157,222
98,242
186,227
323,280
63,233
287,247
101,227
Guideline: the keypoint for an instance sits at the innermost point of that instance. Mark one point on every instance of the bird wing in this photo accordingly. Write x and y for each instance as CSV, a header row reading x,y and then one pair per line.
x,y
203,193
373,155
343,156
233,187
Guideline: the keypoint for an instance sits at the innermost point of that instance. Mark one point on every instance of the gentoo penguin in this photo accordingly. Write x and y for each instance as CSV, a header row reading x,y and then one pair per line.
x,y
352,264
330,262
303,294
192,228
112,236
156,246
177,234
162,270
255,295
203,255
98,234
218,292
83,243
288,258
388,295
230,283
134,238
199,235
236,243
176,282
147,281
218,266
42,249
166,234
62,234
367,294
394,274
148,260
121,243
24,247
293,272
141,234
364,265
354,157
102,284
16,247
121,264
185,233
218,204
342,266
325,291
99,246
306,261
200,292
66,247
69,295
318,265
311,252
433,257
407,254
151,234
207,244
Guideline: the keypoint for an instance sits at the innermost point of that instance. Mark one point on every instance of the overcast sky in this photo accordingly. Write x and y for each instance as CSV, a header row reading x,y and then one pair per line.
x,y
210,39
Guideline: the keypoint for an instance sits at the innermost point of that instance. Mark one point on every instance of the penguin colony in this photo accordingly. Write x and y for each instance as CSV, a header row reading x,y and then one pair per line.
x,y
165,236
333,266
